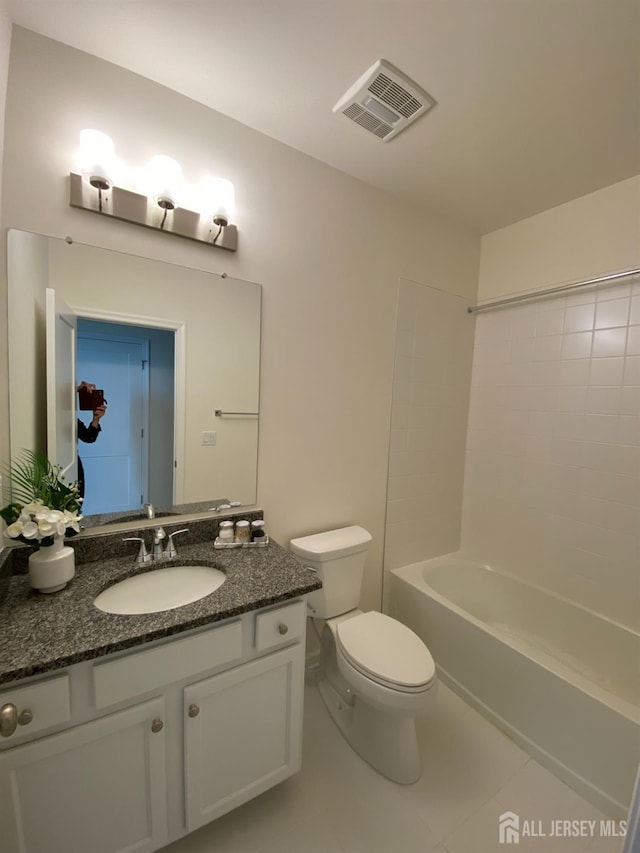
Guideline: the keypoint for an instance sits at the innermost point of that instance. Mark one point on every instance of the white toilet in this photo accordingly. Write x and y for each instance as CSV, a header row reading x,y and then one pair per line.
x,y
376,675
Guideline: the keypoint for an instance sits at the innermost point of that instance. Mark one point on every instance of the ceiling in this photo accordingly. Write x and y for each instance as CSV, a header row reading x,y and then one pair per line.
x,y
538,101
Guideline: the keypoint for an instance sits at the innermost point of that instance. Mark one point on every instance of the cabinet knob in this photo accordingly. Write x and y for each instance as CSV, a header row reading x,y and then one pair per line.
x,y
25,717
157,725
194,710
8,719
282,628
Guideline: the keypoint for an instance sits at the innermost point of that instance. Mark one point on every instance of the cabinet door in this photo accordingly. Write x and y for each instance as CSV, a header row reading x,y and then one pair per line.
x,y
243,733
96,788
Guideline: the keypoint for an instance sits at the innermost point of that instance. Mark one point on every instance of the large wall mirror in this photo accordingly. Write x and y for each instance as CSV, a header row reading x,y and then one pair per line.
x,y
176,352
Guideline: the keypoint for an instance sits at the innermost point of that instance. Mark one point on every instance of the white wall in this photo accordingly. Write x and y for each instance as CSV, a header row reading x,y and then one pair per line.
x,y
327,249
5,44
552,480
432,376
28,266
598,233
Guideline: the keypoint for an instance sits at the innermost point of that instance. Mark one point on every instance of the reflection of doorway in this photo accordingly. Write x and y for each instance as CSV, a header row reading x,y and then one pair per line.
x,y
131,463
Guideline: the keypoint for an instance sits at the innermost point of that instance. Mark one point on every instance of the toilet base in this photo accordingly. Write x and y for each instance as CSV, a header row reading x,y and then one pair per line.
x,y
387,742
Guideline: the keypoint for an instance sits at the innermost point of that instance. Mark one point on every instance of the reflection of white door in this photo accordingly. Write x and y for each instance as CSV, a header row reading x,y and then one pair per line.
x,y
116,464
61,324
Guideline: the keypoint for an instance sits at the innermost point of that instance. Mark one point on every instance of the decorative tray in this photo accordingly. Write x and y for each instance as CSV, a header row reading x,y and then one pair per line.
x,y
218,543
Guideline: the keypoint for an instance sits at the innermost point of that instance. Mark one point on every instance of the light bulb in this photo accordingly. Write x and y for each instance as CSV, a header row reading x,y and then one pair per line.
x,y
164,181
219,200
96,158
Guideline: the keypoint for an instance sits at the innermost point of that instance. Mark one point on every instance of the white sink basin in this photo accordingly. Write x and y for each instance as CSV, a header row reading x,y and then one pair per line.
x,y
160,589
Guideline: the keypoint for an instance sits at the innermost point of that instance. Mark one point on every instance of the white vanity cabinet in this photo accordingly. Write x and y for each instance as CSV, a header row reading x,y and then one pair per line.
x,y
134,750
242,734
94,788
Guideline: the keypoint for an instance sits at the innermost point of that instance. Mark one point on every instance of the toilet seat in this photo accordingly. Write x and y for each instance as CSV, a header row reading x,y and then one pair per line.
x,y
386,651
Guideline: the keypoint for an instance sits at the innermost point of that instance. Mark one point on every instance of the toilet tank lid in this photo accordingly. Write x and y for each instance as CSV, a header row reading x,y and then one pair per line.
x,y
332,543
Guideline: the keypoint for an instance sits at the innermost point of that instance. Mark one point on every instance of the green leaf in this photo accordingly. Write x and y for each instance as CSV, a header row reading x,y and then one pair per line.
x,y
32,477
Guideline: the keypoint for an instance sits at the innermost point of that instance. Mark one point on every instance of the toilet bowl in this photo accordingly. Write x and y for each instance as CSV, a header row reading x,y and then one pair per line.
x,y
384,661
374,701
375,674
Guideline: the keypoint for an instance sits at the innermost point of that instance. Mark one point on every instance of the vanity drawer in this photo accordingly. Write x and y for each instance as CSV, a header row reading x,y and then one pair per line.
x,y
140,672
281,625
46,702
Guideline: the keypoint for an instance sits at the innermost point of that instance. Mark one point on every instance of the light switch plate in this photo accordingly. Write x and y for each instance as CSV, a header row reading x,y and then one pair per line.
x,y
209,438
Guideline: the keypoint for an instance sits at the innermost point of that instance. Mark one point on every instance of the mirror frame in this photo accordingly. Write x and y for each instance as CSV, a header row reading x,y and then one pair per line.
x,y
37,370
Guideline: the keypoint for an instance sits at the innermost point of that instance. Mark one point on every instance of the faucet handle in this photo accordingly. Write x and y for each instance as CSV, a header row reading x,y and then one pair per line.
x,y
170,551
143,555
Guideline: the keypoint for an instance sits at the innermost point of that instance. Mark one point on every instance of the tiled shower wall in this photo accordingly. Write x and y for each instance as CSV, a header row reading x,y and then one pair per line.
x,y
434,347
552,482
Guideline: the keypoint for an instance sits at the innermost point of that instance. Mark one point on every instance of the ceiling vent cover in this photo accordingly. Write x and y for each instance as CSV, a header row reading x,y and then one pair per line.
x,y
384,101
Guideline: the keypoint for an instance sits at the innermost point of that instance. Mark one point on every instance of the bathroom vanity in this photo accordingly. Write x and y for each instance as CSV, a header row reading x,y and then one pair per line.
x,y
131,731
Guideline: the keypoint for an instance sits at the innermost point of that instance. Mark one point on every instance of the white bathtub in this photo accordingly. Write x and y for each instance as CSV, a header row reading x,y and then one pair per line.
x,y
562,681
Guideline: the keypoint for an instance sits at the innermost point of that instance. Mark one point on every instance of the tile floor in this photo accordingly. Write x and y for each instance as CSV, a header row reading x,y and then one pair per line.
x,y
338,804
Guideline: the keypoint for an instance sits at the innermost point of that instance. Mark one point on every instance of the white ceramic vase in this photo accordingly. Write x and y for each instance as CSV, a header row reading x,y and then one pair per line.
x,y
51,567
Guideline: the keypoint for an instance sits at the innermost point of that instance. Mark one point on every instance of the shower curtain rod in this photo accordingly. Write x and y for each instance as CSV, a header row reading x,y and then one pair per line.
x,y
564,288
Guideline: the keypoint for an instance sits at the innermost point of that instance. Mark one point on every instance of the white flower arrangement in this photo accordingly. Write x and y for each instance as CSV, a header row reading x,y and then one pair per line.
x,y
37,522
44,506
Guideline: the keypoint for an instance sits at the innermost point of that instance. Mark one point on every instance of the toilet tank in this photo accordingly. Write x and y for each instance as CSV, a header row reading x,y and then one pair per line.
x,y
338,557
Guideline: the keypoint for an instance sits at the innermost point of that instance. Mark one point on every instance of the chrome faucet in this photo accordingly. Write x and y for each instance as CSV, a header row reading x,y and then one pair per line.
x,y
158,536
158,553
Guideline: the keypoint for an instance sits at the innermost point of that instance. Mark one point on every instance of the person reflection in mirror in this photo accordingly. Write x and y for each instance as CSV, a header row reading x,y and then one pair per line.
x,y
89,433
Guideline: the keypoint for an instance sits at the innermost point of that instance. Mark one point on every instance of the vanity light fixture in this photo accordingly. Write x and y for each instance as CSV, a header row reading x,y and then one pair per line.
x,y
218,200
160,204
164,176
220,197
96,160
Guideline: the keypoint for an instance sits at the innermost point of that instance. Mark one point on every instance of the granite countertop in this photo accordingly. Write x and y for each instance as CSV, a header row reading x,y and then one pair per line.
x,y
40,632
